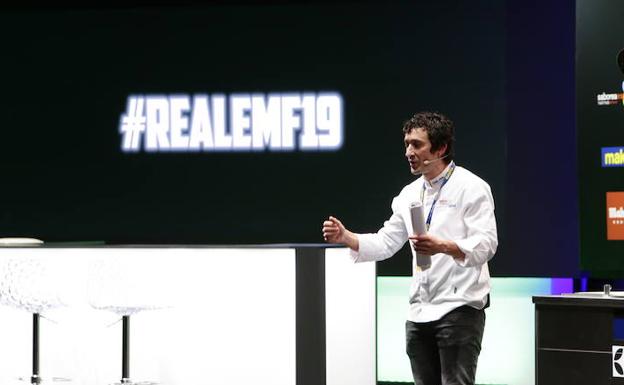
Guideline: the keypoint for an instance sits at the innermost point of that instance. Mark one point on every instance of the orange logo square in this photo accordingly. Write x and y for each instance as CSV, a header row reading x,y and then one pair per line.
x,y
615,216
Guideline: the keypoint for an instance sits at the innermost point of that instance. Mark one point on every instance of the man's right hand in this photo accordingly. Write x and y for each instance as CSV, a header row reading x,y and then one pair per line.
x,y
335,232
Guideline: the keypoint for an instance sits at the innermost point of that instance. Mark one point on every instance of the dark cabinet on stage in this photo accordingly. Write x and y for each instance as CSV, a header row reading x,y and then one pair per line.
x,y
577,339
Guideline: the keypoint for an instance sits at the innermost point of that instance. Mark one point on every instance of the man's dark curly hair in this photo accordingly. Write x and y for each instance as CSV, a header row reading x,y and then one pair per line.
x,y
439,128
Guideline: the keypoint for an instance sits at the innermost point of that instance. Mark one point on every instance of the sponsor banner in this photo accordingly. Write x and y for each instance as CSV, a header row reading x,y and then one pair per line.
x,y
615,215
612,156
617,360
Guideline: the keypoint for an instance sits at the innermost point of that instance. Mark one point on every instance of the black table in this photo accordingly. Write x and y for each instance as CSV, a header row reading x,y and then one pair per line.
x,y
574,338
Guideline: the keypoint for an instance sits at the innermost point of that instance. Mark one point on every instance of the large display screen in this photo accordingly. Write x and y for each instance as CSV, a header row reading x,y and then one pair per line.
x,y
238,123
600,117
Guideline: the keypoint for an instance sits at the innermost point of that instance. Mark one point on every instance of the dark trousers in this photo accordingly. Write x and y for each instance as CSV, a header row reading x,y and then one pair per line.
x,y
445,352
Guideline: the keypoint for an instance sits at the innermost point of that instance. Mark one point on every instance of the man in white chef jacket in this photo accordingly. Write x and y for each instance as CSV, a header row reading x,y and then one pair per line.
x,y
449,293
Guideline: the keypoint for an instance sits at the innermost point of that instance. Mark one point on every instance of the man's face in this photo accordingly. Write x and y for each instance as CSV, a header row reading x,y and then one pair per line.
x,y
418,149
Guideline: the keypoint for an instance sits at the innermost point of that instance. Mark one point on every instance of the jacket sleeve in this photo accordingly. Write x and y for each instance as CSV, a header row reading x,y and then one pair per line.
x,y
481,241
384,243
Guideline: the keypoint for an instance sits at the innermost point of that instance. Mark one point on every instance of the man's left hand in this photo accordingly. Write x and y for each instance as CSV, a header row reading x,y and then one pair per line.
x,y
427,244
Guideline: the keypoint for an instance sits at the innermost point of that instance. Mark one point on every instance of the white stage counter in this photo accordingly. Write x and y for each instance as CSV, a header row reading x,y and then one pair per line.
x,y
278,315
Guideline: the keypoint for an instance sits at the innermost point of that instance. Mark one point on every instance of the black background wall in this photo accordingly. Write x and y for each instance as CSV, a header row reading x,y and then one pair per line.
x,y
503,71
599,126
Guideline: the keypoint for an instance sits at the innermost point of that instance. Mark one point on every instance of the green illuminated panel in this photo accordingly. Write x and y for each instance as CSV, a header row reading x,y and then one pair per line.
x,y
509,331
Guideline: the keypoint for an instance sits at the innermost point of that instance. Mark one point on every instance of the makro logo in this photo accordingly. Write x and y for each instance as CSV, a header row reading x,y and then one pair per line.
x,y
612,156
238,122
615,215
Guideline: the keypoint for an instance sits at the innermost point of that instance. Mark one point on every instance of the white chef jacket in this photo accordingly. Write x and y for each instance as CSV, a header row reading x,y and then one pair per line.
x,y
464,213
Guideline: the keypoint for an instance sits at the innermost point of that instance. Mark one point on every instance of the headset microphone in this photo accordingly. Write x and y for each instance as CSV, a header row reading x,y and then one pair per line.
x,y
427,162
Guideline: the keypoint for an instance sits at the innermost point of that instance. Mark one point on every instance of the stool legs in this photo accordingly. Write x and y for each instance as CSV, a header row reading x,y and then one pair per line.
x,y
125,350
35,379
